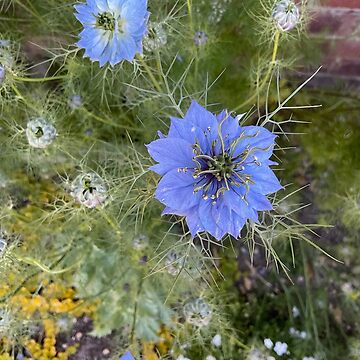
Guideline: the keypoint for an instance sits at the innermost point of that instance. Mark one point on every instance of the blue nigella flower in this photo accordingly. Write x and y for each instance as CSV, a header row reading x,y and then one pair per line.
x,y
214,172
127,356
113,29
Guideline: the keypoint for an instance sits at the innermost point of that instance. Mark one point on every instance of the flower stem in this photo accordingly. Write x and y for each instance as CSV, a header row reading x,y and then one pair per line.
x,y
26,102
268,74
24,79
189,6
150,73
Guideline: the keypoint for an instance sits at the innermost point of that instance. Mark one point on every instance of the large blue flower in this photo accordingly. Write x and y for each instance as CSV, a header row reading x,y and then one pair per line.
x,y
214,172
113,29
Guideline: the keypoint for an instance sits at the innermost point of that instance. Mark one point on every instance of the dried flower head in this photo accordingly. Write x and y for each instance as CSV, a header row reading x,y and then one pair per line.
x,y
156,37
89,190
141,241
197,312
40,133
174,262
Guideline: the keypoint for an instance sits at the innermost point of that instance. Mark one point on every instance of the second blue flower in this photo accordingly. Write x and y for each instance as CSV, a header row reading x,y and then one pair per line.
x,y
113,29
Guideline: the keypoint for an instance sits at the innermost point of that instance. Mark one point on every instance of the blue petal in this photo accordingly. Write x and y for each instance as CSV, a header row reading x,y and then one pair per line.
x,y
229,125
176,191
256,137
207,220
203,119
265,181
134,9
127,356
234,201
102,5
85,14
193,221
258,201
171,154
180,128
126,48
115,5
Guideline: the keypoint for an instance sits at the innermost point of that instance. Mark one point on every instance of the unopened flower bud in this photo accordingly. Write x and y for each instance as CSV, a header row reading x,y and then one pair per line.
x,y
40,133
286,14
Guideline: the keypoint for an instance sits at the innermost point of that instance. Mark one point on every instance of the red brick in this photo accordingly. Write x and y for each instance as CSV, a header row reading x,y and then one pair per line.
x,y
335,22
354,4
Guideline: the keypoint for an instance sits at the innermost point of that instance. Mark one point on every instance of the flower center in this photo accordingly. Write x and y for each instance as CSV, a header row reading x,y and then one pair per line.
x,y
290,8
105,21
39,132
87,186
221,166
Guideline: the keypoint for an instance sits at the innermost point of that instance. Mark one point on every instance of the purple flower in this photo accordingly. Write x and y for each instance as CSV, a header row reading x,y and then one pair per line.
x,y
214,172
113,29
200,38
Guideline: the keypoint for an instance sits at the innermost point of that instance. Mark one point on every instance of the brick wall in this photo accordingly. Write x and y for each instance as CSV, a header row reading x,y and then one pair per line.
x,y
338,23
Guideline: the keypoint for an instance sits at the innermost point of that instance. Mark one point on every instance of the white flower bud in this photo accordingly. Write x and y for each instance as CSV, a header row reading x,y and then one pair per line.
x,y
40,133
156,37
89,190
286,14
197,312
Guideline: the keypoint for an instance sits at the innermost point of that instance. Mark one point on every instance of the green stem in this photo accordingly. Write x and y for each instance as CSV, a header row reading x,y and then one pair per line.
x,y
26,102
150,73
133,330
109,122
189,6
268,74
24,79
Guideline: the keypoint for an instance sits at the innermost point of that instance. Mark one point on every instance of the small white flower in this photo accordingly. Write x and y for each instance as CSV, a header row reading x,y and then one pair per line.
x,y
210,357
268,343
40,133
89,190
280,348
295,311
75,102
297,333
182,357
308,358
347,288
286,14
255,354
216,340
